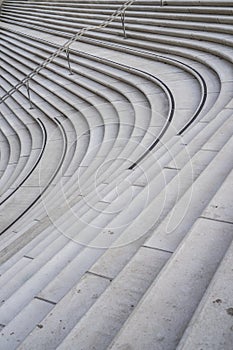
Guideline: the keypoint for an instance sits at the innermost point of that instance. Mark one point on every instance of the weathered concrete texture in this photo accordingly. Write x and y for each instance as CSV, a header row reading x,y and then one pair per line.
x,y
116,176
217,307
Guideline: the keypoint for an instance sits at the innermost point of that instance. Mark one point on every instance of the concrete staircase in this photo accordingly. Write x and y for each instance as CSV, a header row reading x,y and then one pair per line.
x,y
116,176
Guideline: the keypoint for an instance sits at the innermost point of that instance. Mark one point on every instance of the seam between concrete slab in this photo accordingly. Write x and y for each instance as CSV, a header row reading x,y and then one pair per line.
x,y
218,220
209,150
171,168
101,276
28,257
45,300
159,249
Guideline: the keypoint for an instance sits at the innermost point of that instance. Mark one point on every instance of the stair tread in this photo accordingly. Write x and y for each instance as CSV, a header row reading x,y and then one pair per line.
x,y
173,297
136,201
211,325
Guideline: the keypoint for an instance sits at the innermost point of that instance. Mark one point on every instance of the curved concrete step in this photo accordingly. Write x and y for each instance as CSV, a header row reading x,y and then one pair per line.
x,y
48,260
42,296
132,18
199,140
228,235
5,153
14,155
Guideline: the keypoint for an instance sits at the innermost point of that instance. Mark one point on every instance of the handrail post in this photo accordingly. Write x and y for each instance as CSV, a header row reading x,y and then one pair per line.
x,y
68,60
28,92
123,23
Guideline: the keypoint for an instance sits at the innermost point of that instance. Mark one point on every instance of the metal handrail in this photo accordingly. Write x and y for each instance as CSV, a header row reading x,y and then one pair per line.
x,y
65,48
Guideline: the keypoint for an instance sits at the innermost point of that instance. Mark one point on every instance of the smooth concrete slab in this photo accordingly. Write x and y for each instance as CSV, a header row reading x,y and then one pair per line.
x,y
211,325
42,261
20,327
167,235
167,307
65,315
118,301
221,207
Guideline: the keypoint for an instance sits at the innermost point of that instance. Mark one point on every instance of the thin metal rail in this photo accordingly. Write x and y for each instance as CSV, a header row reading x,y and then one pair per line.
x,y
65,48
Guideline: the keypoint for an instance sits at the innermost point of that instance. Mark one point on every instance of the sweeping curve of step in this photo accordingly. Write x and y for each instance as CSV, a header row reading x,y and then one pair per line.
x,y
116,175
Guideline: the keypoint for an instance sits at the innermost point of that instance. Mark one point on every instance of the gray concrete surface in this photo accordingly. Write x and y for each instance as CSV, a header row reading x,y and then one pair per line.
x,y
116,191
